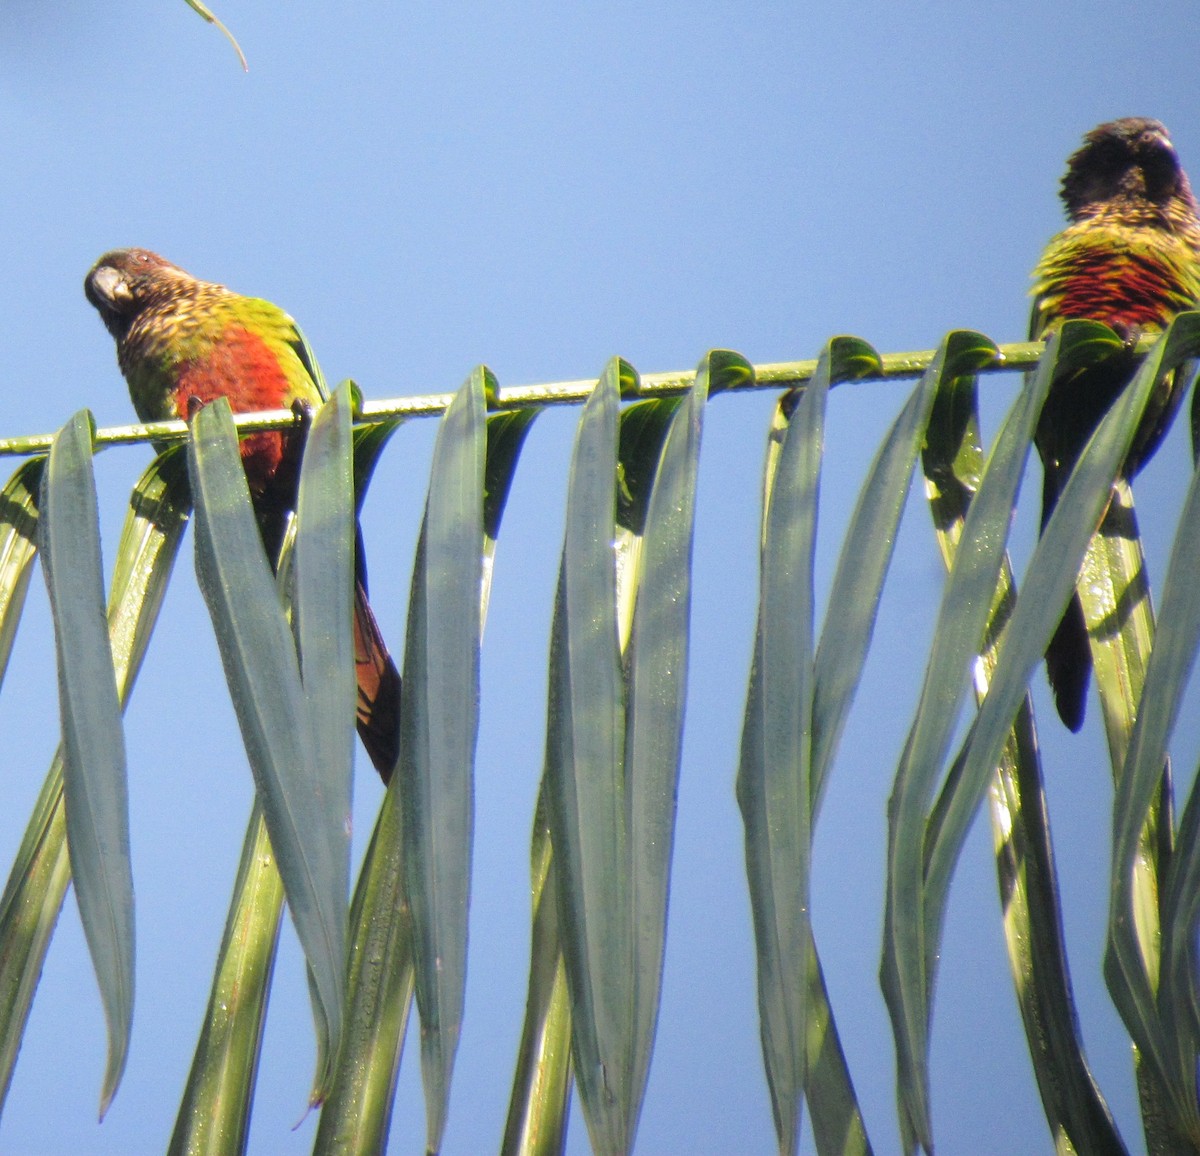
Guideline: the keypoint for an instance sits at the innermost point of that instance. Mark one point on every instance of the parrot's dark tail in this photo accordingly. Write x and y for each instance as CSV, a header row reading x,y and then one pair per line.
x,y
1069,665
378,689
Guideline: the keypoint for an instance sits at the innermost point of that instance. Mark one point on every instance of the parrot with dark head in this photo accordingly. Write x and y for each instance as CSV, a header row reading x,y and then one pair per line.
x,y
182,341
1130,258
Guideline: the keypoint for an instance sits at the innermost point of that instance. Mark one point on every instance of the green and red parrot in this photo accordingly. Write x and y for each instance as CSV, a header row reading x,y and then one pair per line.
x,y
181,341
1130,258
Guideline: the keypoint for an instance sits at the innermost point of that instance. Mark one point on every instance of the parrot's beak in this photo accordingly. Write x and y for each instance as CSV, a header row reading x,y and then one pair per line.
x,y
107,290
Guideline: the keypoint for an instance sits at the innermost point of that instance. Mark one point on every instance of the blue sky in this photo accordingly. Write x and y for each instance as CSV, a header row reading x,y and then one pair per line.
x,y
540,186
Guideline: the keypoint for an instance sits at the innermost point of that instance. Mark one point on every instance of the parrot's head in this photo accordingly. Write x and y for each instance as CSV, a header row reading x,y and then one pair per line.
x,y
123,282
1129,161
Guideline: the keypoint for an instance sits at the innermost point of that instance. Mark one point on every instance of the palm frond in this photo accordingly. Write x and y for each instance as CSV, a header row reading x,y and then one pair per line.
x,y
603,832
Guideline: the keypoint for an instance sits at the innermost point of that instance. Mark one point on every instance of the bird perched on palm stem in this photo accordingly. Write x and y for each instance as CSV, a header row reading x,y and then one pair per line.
x,y
1130,258
182,341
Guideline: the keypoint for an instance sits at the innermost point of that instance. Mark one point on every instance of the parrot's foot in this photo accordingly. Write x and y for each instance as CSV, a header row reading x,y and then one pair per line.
x,y
302,414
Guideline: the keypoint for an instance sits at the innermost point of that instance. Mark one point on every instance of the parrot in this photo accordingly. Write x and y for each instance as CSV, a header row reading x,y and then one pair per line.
x,y
1130,258
182,342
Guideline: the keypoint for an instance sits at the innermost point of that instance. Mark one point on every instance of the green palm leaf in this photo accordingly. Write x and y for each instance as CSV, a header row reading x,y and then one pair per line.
x,y
18,549
94,778
262,668
604,828
774,785
438,724
618,662
214,1114
1078,1117
33,896
912,920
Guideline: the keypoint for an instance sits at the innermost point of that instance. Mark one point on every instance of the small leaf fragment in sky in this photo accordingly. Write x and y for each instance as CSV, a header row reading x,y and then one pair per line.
x,y
197,7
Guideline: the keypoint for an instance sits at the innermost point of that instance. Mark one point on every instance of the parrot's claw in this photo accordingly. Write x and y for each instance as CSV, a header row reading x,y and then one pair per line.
x,y
302,413
1129,334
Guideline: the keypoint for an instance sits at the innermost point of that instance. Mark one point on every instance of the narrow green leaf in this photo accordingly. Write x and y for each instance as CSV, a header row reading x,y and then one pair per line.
x,y
1156,1001
357,1114
40,874
536,1113
966,604
263,674
159,508
915,911
95,785
837,1123
537,1110
202,10
1114,590
41,871
322,601
585,775
656,664
214,1114
867,550
1075,1110
18,548
1079,1118
439,719
315,570
29,911
773,782
1047,587
853,605
1178,998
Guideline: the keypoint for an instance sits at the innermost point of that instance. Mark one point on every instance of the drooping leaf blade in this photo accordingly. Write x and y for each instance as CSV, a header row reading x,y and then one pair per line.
x,y
867,550
1155,997
322,602
262,670
18,548
966,603
585,774
773,780
95,785
1078,1117
36,885
357,1113
214,1113
656,682
537,1109
1050,579
439,720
